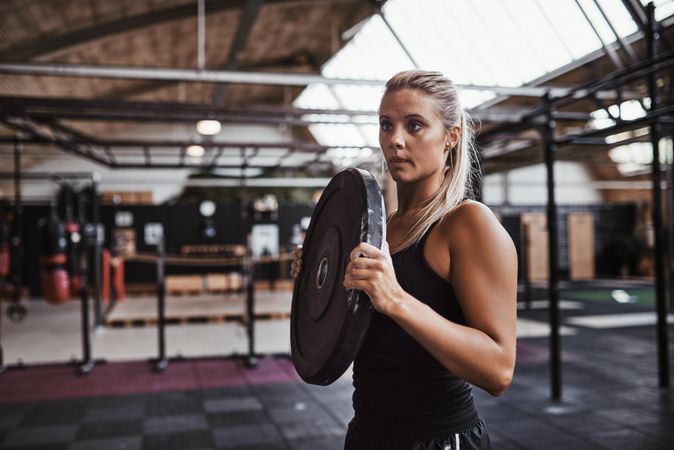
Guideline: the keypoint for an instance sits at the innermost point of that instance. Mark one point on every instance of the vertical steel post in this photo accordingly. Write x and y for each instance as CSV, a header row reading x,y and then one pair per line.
x,y
17,239
248,266
524,257
553,294
162,361
652,38
669,223
251,360
95,221
81,262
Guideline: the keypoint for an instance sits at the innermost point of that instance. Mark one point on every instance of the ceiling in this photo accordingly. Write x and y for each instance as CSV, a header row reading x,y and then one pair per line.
x,y
83,115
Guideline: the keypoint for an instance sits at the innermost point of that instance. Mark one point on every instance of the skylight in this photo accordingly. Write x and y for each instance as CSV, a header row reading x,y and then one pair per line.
x,y
485,42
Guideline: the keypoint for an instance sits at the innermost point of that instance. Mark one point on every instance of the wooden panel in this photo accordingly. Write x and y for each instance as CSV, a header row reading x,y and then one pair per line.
x,y
581,246
145,198
536,235
279,285
184,284
235,281
128,197
217,282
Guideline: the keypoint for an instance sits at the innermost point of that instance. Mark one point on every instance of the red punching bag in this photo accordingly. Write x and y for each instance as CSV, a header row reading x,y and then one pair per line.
x,y
53,245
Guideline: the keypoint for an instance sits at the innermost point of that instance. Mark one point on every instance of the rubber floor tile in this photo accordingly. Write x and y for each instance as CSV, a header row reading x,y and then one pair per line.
x,y
33,436
312,429
10,421
178,441
298,411
239,436
117,443
174,424
324,443
175,406
46,418
114,414
102,430
220,405
222,420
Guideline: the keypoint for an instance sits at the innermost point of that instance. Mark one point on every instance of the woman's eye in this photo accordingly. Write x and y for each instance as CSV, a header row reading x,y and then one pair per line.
x,y
386,126
414,126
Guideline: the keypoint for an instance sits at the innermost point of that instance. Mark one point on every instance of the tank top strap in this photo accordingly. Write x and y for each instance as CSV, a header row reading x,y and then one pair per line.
x,y
422,240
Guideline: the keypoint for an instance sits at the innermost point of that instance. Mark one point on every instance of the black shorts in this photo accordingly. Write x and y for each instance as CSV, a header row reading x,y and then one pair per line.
x,y
472,437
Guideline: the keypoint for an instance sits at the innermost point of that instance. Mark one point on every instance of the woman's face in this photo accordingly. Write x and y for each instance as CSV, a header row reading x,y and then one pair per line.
x,y
412,136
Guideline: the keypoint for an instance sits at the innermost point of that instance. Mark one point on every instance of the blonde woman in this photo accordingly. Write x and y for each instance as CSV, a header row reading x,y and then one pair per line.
x,y
444,288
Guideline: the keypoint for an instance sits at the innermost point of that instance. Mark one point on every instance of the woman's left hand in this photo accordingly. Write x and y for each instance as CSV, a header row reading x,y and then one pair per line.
x,y
371,270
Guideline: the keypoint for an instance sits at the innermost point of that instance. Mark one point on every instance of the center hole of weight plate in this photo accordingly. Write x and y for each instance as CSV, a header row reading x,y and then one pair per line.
x,y
322,273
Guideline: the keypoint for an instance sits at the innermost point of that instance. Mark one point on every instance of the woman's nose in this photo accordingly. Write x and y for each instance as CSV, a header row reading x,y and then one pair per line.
x,y
397,139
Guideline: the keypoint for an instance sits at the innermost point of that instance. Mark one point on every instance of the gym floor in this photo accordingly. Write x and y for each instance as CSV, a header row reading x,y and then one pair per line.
x,y
610,394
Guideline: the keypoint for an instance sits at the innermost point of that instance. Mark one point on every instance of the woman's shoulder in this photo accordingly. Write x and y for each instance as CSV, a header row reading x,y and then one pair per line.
x,y
472,220
469,213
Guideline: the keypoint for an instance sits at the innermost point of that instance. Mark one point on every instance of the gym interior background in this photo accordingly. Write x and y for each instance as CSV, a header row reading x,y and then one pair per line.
x,y
160,160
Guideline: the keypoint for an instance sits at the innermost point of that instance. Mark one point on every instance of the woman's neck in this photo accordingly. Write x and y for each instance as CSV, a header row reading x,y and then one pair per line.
x,y
412,197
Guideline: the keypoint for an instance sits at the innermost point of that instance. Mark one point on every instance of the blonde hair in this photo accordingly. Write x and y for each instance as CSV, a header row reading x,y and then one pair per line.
x,y
460,175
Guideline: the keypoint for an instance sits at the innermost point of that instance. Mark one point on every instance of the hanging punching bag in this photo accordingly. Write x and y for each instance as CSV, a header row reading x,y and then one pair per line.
x,y
52,246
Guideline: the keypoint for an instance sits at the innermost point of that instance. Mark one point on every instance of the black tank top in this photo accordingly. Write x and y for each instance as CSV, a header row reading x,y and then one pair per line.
x,y
401,390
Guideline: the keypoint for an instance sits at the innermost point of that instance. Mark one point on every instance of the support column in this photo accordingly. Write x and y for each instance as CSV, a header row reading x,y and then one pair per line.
x,y
652,36
667,228
84,269
553,293
162,361
248,268
96,254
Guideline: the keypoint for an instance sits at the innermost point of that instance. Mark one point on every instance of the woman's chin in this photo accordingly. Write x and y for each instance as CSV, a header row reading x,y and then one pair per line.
x,y
401,177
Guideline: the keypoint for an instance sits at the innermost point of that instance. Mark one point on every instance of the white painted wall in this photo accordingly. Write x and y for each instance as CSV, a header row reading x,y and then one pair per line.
x,y
527,186
164,184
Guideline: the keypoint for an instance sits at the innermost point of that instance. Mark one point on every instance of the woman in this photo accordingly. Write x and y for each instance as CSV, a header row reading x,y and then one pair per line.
x,y
445,293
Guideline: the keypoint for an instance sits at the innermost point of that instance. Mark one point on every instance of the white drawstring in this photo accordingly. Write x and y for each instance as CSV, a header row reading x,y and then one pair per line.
x,y
457,443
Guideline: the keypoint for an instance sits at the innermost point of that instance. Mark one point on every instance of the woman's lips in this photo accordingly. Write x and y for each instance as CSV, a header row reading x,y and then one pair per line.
x,y
396,162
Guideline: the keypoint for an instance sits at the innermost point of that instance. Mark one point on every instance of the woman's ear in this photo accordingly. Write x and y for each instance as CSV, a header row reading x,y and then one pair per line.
x,y
453,136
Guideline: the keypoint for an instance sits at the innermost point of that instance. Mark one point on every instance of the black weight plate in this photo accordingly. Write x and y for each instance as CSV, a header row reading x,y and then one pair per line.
x,y
327,322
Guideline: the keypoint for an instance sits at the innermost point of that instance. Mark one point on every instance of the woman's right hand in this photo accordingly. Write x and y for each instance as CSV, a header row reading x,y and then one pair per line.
x,y
296,265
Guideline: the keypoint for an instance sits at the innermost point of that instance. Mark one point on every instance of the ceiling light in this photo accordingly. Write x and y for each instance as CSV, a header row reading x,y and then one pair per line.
x,y
196,151
208,127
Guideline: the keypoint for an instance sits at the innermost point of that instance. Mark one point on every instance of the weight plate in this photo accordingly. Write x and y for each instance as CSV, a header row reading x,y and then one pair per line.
x,y
328,322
